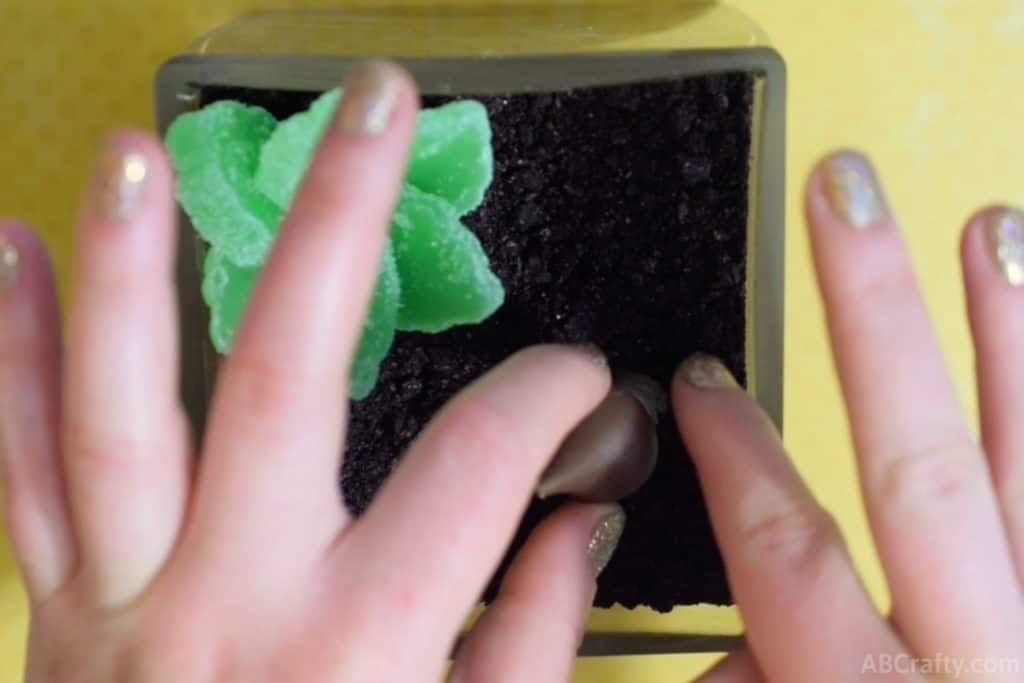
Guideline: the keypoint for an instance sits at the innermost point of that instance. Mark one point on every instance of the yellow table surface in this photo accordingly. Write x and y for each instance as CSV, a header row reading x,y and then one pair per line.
x,y
931,88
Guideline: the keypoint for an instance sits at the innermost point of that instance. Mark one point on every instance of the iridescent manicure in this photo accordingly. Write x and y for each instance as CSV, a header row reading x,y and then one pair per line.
x,y
853,190
605,539
369,98
8,264
118,181
1006,241
707,372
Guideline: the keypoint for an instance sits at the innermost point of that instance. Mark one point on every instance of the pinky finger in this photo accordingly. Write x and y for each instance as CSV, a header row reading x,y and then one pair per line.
x,y
35,502
737,667
532,630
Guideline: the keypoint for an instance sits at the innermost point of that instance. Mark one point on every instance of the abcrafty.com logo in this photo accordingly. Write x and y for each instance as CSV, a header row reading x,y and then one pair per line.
x,y
942,667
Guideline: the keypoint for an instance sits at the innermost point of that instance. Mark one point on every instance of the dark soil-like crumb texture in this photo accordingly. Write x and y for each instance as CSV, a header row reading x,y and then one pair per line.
x,y
617,216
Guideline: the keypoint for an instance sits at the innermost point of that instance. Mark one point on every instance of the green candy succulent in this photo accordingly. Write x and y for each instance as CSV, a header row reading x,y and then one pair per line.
x,y
239,169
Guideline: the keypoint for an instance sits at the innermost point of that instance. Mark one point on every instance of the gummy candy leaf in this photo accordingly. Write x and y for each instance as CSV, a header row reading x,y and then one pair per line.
x,y
238,171
446,278
289,151
216,152
226,289
452,156
379,331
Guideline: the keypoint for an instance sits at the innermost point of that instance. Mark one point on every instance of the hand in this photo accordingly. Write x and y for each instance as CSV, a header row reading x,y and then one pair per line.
x,y
143,567
947,515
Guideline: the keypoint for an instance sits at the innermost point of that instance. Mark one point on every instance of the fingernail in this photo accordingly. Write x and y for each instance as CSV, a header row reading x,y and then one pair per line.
x,y
707,372
604,539
369,98
117,183
1006,242
8,264
853,190
593,353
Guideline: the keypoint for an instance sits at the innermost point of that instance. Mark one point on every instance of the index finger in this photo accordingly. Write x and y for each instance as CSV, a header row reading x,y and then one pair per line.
x,y
278,415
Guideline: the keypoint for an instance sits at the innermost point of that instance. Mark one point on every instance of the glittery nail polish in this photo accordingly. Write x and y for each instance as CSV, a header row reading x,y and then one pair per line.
x,y
853,190
370,97
605,539
1006,243
117,184
8,264
706,372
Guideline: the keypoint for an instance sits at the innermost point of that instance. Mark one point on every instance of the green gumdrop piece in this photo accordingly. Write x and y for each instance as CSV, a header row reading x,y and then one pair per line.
x,y
215,152
289,151
451,156
446,278
226,289
379,330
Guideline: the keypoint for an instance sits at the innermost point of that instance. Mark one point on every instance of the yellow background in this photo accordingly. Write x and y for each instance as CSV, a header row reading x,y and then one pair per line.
x,y
932,89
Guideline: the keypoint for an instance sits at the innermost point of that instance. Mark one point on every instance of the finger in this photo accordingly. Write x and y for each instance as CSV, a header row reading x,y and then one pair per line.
x,y
125,441
925,481
277,424
737,667
786,563
993,260
428,544
532,630
35,502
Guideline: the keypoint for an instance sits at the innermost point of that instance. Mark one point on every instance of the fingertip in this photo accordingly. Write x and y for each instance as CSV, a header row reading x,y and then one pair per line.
x,y
18,233
589,531
127,222
410,88
586,360
703,372
815,188
845,192
125,141
24,261
992,245
379,97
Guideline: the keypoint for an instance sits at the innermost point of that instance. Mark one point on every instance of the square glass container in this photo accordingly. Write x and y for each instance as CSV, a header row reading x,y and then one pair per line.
x,y
511,49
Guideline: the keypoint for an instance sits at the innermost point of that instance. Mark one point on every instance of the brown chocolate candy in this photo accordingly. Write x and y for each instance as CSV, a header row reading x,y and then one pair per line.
x,y
612,452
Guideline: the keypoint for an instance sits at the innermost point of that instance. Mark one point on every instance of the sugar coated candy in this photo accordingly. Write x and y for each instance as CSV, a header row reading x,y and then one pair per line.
x,y
446,277
238,173
289,151
451,156
216,151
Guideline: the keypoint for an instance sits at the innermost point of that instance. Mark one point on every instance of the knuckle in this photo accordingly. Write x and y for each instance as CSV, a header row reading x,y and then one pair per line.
x,y
473,431
263,390
104,447
874,301
945,472
558,626
791,536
